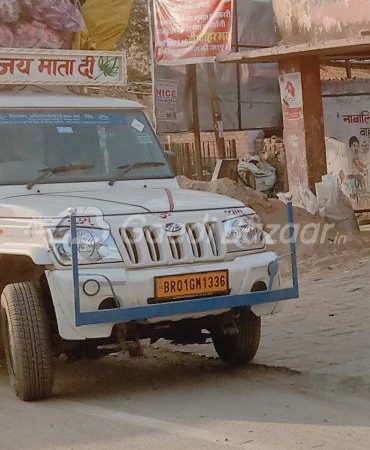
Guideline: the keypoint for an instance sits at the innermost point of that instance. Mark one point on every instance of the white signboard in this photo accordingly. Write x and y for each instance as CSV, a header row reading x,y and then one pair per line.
x,y
62,67
191,31
166,94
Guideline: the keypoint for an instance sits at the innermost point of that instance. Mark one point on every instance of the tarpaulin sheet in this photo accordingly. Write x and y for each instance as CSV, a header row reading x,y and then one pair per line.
x,y
106,21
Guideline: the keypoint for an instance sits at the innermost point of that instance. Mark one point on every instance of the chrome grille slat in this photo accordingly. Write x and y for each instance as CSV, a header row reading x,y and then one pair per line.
x,y
175,247
194,240
153,247
130,245
212,236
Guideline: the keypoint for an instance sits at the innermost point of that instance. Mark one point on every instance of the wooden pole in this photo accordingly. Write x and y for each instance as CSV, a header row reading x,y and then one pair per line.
x,y
238,66
152,61
217,113
348,69
233,149
192,74
187,160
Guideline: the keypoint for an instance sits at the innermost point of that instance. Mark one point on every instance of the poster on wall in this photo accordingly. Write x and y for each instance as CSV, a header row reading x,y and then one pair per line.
x,y
347,127
192,31
291,96
249,93
166,100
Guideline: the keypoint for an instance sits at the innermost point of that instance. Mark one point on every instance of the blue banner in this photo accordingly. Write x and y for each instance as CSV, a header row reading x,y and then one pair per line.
x,y
62,119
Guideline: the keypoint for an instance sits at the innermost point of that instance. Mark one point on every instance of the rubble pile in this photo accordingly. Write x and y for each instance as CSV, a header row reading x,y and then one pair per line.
x,y
272,150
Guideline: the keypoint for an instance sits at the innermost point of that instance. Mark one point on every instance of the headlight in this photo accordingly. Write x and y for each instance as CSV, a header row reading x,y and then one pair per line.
x,y
244,233
94,245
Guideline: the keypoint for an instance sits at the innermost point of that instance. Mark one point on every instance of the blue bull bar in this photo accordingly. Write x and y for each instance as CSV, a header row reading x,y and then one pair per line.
x,y
184,307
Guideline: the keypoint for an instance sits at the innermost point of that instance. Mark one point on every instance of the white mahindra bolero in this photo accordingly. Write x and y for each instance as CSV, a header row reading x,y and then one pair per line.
x,y
152,261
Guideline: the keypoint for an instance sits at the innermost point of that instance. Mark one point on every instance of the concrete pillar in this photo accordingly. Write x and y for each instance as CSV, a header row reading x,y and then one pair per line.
x,y
304,137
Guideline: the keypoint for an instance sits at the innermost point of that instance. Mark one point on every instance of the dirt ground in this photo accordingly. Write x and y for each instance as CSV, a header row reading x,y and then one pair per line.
x,y
180,402
308,388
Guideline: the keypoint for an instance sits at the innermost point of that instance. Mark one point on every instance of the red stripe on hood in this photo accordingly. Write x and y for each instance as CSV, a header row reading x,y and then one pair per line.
x,y
170,200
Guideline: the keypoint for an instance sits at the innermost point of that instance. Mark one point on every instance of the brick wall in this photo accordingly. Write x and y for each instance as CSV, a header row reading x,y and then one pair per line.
x,y
241,138
339,73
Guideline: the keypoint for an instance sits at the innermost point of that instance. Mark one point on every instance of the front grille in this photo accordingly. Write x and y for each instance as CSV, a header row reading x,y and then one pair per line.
x,y
151,245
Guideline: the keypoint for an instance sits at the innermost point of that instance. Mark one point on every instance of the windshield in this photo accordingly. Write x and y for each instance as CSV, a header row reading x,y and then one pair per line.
x,y
31,142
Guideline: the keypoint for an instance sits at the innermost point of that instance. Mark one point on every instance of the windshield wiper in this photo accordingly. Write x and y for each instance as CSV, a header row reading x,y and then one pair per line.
x,y
59,169
126,169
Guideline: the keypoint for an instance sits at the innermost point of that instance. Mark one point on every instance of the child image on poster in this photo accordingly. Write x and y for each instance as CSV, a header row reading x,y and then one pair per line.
x,y
365,159
357,181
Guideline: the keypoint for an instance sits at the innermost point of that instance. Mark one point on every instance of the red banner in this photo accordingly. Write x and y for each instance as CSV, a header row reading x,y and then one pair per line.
x,y
192,31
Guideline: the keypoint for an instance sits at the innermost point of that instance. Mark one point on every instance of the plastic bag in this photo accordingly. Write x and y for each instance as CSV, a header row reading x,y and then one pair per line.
x,y
6,36
10,10
334,205
308,200
37,35
68,38
57,14
264,173
282,197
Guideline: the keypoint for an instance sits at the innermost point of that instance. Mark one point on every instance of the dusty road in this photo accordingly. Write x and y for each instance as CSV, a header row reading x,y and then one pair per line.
x,y
180,401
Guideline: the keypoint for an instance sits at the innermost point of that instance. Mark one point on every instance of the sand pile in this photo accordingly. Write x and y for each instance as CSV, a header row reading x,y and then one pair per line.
x,y
318,246
254,199
271,211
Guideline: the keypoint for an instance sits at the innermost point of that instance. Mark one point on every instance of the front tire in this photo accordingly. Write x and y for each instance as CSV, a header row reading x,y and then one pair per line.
x,y
241,347
26,342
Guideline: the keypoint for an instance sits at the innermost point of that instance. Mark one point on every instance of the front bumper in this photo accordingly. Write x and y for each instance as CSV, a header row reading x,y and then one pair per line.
x,y
81,319
132,289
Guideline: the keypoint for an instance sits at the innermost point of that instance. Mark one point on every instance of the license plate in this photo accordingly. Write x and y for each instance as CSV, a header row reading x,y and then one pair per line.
x,y
192,285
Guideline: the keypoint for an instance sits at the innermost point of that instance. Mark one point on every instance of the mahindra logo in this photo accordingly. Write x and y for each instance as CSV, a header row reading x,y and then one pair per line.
x,y
172,227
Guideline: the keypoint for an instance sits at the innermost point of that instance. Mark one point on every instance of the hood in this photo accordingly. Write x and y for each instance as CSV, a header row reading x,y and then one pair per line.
x,y
114,202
